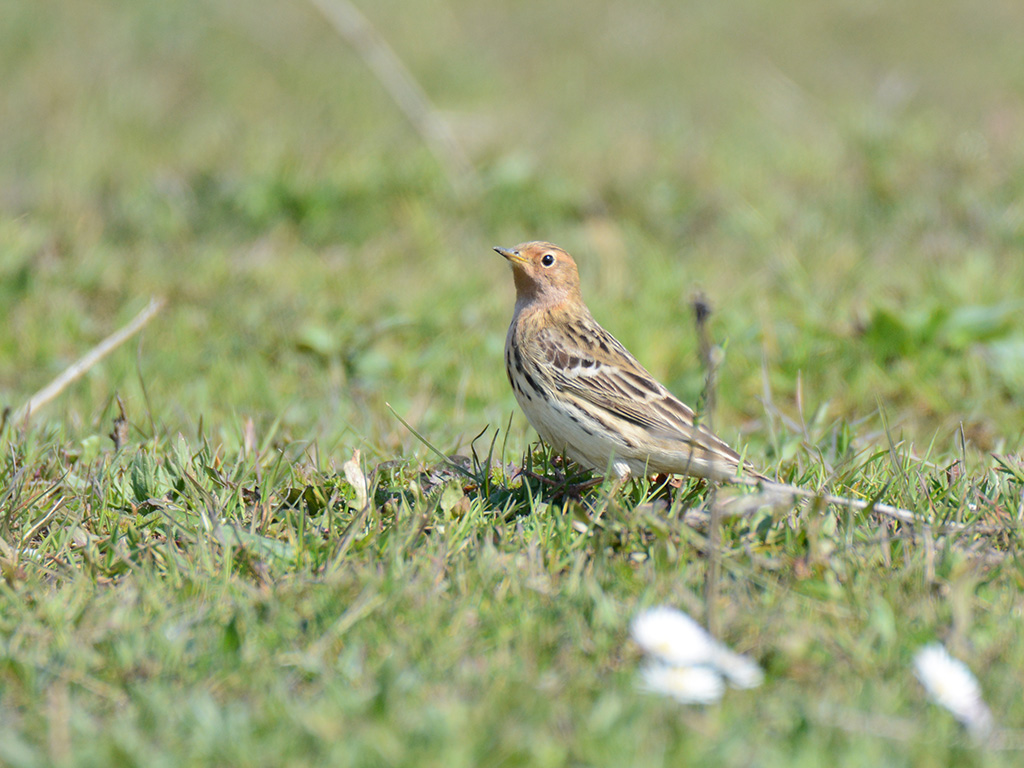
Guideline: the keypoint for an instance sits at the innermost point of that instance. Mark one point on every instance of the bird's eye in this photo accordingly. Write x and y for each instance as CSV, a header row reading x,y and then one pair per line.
x,y
547,259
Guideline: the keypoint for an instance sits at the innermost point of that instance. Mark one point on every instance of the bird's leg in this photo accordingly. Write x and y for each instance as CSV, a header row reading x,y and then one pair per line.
x,y
575,489
561,486
558,481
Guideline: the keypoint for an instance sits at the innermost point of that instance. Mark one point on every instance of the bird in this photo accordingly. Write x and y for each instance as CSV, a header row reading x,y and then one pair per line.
x,y
592,401
586,395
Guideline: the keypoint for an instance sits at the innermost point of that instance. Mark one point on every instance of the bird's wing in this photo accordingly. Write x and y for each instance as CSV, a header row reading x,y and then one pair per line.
x,y
594,367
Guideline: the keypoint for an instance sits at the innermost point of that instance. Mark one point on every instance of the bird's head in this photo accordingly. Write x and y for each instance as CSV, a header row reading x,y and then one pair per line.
x,y
543,272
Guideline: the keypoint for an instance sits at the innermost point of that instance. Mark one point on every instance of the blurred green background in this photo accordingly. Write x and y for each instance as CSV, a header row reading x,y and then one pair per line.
x,y
845,181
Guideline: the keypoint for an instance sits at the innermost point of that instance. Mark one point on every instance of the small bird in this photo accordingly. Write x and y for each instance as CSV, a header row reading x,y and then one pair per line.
x,y
590,399
586,395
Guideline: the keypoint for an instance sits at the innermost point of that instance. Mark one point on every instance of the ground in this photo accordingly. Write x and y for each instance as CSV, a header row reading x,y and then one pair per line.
x,y
842,182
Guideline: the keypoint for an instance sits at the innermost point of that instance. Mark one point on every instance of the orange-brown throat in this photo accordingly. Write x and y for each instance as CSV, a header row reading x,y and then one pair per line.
x,y
527,289
543,274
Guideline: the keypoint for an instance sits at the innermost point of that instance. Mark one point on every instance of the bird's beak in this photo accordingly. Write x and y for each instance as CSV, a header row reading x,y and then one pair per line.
x,y
512,256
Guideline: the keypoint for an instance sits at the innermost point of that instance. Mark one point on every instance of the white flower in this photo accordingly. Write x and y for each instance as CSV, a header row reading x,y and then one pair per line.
x,y
673,637
678,640
950,684
688,685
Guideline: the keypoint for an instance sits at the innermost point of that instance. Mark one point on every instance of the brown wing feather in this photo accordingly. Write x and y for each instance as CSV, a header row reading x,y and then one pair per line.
x,y
591,364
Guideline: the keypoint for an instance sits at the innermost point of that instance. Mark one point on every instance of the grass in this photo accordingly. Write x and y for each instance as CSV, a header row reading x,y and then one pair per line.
x,y
843,183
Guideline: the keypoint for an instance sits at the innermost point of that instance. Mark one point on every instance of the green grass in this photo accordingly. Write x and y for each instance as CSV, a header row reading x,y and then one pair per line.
x,y
842,182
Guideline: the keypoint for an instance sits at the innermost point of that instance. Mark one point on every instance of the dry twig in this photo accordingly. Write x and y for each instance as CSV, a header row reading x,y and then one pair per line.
x,y
78,369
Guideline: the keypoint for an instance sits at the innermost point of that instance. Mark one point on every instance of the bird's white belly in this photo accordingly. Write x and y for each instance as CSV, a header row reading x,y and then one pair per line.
x,y
569,430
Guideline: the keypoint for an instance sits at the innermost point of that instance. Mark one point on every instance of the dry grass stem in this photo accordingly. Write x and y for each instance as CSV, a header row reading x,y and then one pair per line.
x,y
702,312
403,89
79,368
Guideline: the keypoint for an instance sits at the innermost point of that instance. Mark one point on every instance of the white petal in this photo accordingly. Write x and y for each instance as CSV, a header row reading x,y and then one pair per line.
x,y
687,685
950,684
676,639
741,671
673,637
